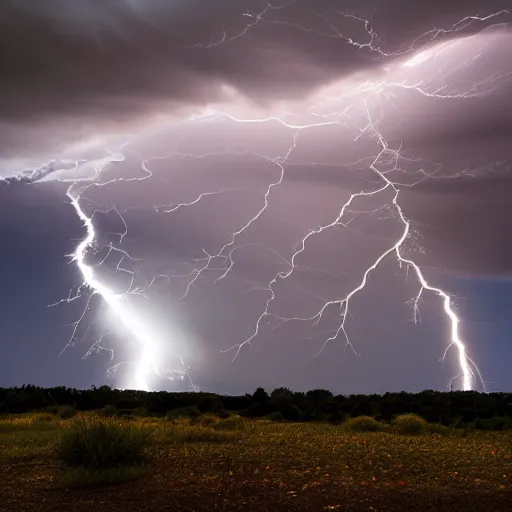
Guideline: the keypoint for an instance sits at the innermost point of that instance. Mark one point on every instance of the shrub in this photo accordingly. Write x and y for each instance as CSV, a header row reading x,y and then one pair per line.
x,y
437,428
410,424
275,416
494,423
290,412
364,424
232,423
102,444
211,404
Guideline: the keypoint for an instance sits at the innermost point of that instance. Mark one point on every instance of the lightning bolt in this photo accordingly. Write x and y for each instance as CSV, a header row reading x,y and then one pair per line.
x,y
356,106
118,303
362,95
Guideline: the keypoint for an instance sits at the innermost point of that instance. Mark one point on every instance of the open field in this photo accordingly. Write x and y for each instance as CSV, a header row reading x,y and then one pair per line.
x,y
237,464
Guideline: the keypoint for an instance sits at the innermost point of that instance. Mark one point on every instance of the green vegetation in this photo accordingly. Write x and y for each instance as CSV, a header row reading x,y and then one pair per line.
x,y
266,452
410,424
467,410
101,444
209,463
364,424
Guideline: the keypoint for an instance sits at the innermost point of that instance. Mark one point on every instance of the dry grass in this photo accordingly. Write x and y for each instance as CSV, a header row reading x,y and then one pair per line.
x,y
101,444
268,466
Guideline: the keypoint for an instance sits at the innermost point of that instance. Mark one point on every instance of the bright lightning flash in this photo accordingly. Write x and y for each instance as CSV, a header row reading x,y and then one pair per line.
x,y
436,86
148,361
356,107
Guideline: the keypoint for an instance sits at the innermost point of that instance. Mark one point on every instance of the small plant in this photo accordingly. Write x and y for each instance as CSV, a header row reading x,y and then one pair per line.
x,y
102,444
364,424
410,424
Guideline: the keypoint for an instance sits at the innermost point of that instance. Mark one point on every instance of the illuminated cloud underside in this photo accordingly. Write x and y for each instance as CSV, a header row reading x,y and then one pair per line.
x,y
445,71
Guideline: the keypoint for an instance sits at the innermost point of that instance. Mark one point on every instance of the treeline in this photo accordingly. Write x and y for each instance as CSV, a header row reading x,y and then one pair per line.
x,y
455,408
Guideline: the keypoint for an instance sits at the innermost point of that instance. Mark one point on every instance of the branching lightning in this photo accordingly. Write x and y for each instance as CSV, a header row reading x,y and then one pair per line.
x,y
117,303
356,107
361,96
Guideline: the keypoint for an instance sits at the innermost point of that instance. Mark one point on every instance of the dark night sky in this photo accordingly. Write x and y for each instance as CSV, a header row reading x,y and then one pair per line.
x,y
127,81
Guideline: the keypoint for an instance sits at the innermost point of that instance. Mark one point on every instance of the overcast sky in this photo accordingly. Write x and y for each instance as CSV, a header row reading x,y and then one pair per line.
x,y
234,130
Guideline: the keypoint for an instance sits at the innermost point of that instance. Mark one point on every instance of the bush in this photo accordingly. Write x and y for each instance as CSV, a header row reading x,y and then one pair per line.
x,y
275,416
290,412
212,404
437,428
494,423
231,423
410,424
102,444
364,424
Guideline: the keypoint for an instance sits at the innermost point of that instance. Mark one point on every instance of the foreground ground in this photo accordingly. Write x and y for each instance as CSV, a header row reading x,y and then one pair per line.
x,y
263,466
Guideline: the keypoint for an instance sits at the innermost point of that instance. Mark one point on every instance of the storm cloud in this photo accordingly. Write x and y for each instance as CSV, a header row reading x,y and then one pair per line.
x,y
70,72
159,106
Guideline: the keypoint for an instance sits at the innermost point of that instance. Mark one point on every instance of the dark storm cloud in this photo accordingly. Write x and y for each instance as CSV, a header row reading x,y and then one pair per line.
x,y
74,69
464,224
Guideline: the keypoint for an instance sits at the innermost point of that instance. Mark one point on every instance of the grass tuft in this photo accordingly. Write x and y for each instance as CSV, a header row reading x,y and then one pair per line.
x,y
410,424
102,444
440,430
364,424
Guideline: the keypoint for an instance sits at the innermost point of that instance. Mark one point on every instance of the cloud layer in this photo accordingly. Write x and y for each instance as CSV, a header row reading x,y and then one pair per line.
x,y
79,75
73,72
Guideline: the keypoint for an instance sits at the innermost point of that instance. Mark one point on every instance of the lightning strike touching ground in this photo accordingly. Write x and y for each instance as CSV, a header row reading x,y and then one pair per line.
x,y
118,303
363,95
429,67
